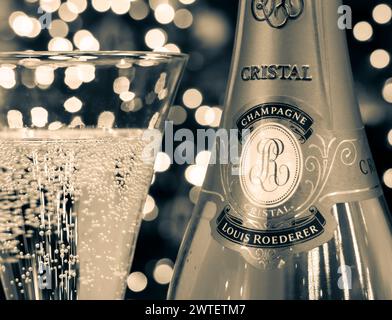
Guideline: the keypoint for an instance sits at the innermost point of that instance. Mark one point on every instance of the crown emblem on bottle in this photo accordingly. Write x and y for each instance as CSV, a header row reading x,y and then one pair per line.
x,y
277,12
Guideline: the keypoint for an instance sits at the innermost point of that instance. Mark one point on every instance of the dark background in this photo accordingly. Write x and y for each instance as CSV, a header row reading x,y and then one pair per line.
x,y
209,42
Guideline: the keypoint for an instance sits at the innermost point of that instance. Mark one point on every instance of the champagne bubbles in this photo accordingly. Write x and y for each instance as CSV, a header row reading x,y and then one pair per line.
x,y
87,186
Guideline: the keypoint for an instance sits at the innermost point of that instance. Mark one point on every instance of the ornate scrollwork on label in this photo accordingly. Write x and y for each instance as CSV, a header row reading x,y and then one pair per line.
x,y
277,12
291,173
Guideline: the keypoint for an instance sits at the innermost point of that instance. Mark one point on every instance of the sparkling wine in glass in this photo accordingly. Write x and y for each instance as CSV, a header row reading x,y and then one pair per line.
x,y
78,136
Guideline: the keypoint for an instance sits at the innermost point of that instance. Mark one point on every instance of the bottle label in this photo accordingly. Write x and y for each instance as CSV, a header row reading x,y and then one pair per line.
x,y
277,200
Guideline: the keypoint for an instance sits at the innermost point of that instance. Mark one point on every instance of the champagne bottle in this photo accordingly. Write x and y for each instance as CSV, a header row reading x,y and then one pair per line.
x,y
301,215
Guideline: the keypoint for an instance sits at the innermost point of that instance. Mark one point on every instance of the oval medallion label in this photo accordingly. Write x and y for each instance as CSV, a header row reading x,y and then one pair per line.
x,y
271,165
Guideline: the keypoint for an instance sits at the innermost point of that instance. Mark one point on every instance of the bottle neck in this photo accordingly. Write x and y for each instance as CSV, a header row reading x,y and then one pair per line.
x,y
294,49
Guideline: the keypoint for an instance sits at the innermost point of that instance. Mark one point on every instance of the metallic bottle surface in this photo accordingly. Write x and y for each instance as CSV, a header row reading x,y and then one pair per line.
x,y
301,215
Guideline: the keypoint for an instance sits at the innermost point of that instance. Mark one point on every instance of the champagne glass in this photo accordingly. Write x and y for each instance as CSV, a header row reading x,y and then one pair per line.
x,y
78,136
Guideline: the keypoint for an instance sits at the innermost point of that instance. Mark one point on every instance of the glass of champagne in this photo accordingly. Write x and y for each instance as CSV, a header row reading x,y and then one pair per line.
x,y
78,136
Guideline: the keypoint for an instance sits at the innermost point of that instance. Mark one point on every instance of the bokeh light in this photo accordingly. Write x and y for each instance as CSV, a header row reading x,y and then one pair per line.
x,y
137,281
164,13
192,98
163,271
195,175
187,1
382,13
121,85
85,41
120,6
389,137
211,28
387,91
149,205
363,31
60,44
177,114
7,77
50,5
127,96
39,117
58,28
73,104
380,59
183,18
387,178
67,12
77,6
15,119
44,75
106,120
101,5
162,162
139,10
155,38
23,25
55,126
194,194
171,47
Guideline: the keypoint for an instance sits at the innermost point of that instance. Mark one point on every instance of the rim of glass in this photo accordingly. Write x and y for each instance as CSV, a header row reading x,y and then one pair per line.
x,y
94,55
